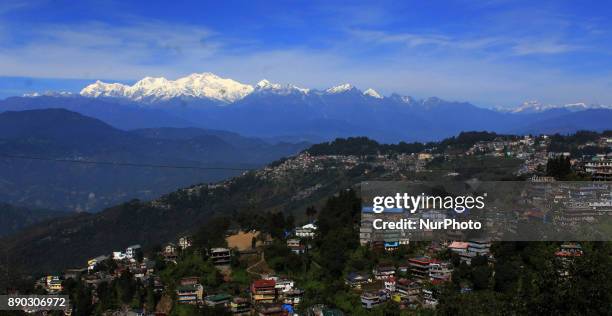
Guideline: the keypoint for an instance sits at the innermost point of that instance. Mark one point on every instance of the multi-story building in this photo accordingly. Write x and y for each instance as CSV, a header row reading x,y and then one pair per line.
x,y
184,242
220,256
263,291
240,306
132,251
440,271
189,294
373,299
600,168
217,300
419,267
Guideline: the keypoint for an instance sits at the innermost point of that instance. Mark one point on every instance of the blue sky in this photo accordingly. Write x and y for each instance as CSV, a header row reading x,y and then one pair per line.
x,y
491,53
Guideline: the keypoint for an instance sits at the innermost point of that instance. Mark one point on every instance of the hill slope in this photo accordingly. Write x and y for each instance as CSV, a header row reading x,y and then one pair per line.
x,y
59,134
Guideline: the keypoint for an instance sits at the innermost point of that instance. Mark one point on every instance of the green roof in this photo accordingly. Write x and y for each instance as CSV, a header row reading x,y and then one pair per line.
x,y
218,297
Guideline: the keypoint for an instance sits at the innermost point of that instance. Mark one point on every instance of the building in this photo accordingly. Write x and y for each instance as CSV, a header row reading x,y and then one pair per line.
x,y
356,280
91,263
440,271
189,280
408,289
189,294
53,284
133,251
373,299
240,306
600,168
263,291
295,245
306,231
458,247
419,267
479,247
383,272
430,297
218,300
170,249
220,256
569,250
184,242
389,284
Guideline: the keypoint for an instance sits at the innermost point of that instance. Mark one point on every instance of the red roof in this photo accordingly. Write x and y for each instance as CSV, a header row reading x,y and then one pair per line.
x,y
264,283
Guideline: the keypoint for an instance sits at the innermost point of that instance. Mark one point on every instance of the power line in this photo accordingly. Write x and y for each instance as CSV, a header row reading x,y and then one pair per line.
x,y
121,164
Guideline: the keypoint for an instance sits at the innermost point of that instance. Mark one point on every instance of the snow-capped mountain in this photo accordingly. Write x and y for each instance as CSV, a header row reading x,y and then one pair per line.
x,y
149,89
340,88
534,106
372,93
277,88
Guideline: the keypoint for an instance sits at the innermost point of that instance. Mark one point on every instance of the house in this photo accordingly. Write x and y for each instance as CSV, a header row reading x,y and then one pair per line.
x,y
189,294
458,247
133,251
217,300
419,267
440,271
430,297
184,242
118,255
295,245
170,250
389,284
292,297
356,280
263,291
569,250
373,299
479,247
91,263
408,289
383,272
284,285
53,284
240,306
220,256
306,231
189,280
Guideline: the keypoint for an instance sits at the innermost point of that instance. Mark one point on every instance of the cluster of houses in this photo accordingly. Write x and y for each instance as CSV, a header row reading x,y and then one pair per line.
x,y
411,284
275,296
515,147
415,282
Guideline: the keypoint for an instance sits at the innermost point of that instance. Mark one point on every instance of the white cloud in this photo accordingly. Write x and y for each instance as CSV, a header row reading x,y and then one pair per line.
x,y
481,69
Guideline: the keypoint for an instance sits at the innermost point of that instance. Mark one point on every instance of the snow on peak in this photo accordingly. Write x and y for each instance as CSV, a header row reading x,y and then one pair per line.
x,y
372,93
265,85
48,94
339,89
197,85
535,106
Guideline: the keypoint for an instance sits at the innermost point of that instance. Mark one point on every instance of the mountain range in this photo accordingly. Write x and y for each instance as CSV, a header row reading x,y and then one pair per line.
x,y
47,159
287,112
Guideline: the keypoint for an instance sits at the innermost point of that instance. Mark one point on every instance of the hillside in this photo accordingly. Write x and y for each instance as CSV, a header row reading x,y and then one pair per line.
x,y
57,134
288,186
13,219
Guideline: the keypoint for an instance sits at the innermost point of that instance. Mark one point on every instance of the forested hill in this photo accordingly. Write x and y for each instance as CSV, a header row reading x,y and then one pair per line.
x,y
13,219
366,146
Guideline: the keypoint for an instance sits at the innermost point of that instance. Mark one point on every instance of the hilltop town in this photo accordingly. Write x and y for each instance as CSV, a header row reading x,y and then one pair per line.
x,y
319,260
